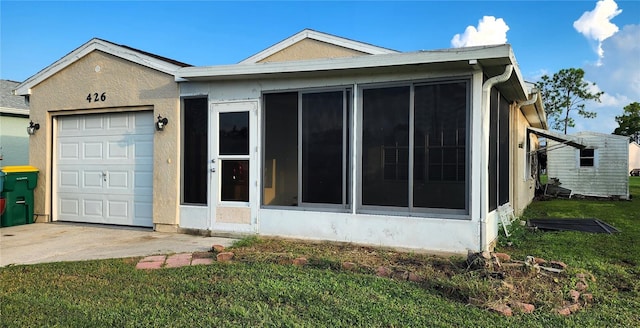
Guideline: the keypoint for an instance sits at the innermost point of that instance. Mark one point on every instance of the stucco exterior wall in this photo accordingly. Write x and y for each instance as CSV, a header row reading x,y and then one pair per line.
x,y
523,185
127,87
311,49
14,140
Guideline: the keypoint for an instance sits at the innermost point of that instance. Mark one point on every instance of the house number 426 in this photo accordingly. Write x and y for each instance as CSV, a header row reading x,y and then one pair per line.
x,y
95,97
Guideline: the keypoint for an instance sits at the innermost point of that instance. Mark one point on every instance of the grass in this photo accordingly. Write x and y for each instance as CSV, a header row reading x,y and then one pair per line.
x,y
261,288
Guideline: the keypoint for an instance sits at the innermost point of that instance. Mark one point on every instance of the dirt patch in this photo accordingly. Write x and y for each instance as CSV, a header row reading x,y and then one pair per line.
x,y
489,284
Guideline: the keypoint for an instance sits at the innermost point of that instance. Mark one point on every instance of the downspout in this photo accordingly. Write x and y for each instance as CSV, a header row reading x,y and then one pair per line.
x,y
486,108
531,101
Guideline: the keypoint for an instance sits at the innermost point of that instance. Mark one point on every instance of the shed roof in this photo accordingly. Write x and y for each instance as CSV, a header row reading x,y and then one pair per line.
x,y
559,137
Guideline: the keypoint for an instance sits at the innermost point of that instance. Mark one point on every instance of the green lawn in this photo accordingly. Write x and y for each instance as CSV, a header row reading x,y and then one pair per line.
x,y
249,293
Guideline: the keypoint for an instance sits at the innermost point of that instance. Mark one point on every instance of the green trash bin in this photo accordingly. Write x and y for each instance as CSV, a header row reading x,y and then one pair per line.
x,y
2,202
17,191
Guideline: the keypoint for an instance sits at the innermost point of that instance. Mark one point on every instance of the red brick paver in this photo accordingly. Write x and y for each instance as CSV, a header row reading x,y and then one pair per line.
x,y
172,261
154,258
149,265
178,260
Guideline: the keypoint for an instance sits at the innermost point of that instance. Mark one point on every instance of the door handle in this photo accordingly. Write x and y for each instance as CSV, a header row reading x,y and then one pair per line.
x,y
104,176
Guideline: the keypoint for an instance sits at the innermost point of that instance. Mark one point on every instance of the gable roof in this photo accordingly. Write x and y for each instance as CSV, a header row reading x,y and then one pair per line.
x,y
140,57
318,36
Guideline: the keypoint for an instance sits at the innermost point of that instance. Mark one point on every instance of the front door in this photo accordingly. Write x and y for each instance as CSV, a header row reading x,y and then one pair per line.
x,y
233,167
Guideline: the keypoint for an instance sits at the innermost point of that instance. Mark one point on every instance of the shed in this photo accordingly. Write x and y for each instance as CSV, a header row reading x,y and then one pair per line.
x,y
599,169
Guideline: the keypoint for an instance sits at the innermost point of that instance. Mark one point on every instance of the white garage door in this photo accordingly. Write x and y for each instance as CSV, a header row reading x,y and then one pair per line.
x,y
104,168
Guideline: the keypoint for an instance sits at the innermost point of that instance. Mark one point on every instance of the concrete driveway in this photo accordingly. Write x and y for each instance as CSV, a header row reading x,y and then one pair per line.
x,y
56,242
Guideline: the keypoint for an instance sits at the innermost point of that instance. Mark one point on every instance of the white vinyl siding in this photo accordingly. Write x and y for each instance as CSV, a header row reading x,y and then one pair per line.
x,y
607,177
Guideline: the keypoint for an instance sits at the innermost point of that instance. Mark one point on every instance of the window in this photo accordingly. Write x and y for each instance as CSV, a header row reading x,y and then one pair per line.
x,y
587,157
306,152
414,146
195,149
234,156
385,146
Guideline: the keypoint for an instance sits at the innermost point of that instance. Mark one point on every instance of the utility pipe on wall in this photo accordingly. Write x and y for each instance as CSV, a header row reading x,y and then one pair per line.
x,y
486,108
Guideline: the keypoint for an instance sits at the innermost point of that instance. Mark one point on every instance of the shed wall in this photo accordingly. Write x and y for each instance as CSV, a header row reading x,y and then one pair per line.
x,y
609,175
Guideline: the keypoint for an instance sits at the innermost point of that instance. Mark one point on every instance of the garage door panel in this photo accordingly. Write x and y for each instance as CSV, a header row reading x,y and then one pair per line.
x,y
69,179
105,168
91,179
69,207
120,121
118,150
92,150
69,150
118,209
92,208
143,150
119,180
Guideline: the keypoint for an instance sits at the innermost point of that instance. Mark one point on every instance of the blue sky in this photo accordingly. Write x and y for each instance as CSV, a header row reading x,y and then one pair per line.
x,y
543,34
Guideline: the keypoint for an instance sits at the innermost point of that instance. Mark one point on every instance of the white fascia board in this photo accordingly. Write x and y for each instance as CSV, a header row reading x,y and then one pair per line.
x,y
95,44
494,55
15,111
319,36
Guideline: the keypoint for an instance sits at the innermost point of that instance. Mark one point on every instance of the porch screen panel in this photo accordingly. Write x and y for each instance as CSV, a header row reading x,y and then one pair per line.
x,y
322,147
195,153
440,146
503,155
385,146
280,168
493,149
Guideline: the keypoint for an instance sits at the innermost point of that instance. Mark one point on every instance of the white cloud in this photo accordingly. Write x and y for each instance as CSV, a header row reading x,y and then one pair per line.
x,y
596,24
618,75
619,72
490,31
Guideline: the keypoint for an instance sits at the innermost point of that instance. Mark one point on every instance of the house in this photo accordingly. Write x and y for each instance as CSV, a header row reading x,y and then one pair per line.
x,y
598,169
317,137
634,156
14,119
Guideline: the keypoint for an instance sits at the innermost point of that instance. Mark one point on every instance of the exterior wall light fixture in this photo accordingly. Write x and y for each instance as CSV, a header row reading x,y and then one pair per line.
x,y
162,121
31,129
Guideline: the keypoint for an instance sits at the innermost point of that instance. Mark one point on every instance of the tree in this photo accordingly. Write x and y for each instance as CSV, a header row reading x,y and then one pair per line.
x,y
629,122
566,92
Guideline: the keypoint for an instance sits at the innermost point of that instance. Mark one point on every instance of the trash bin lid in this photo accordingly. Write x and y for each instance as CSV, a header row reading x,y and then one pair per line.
x,y
19,168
